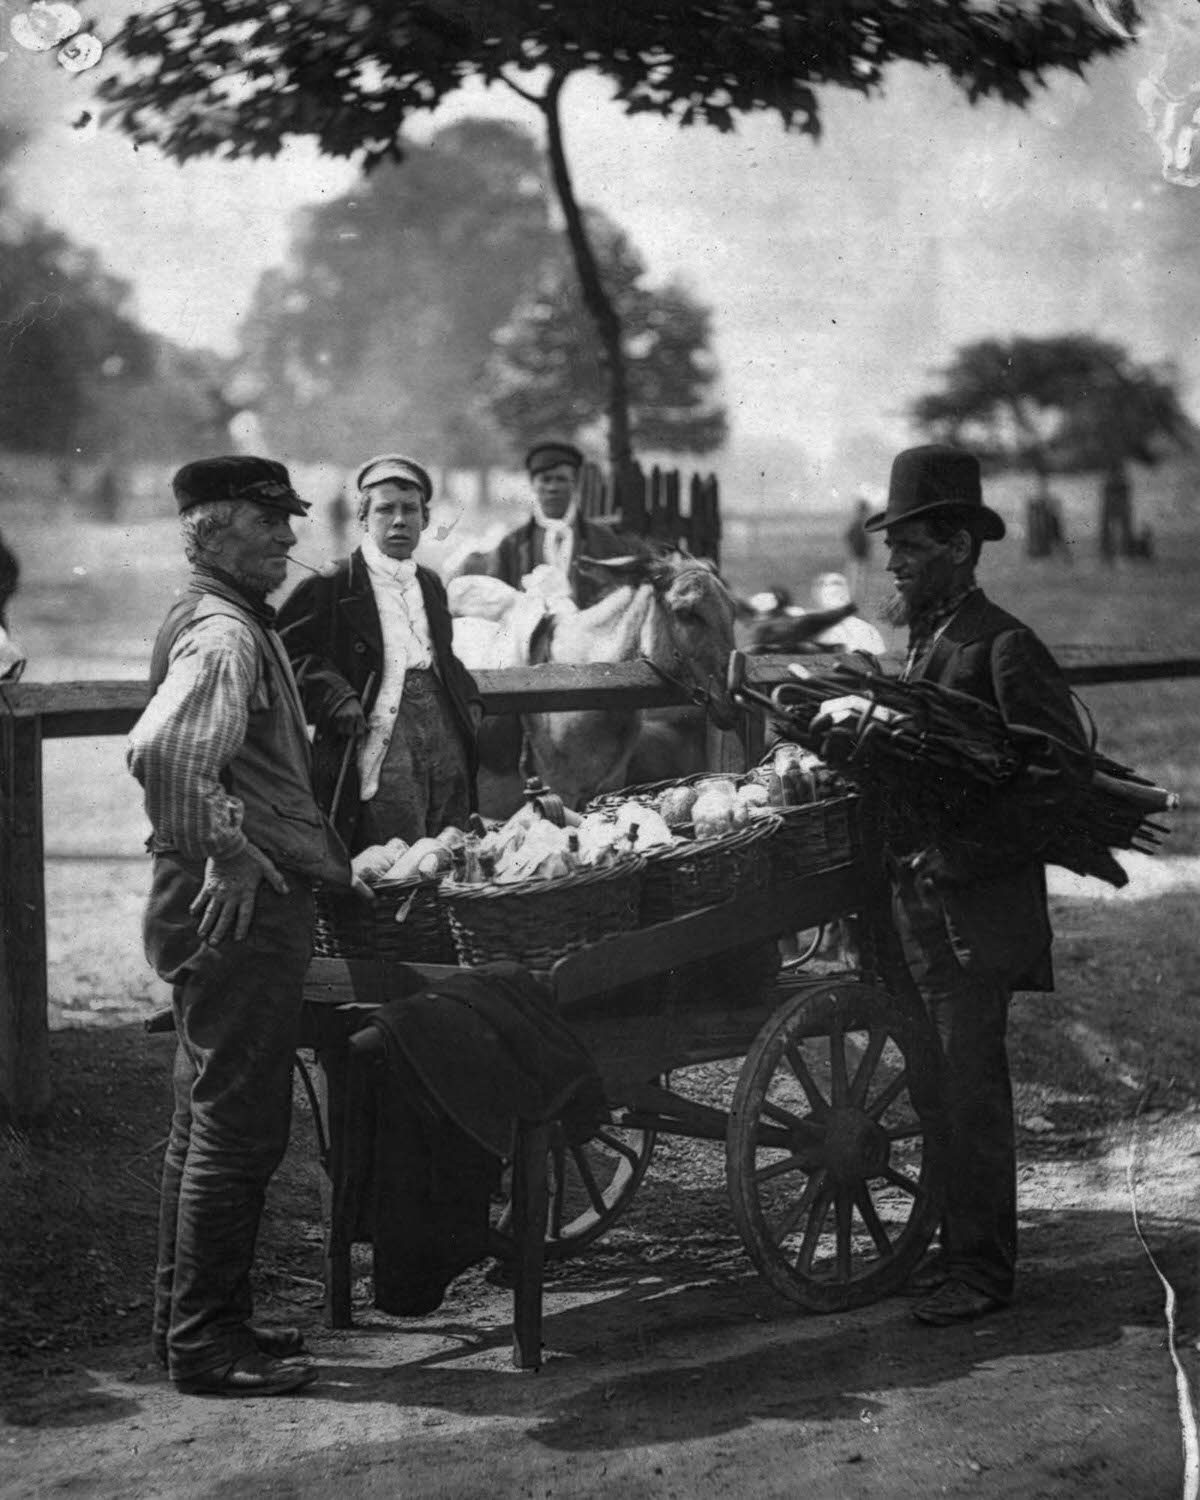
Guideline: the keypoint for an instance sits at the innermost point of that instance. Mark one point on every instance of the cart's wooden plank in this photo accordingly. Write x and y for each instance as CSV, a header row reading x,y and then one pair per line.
x,y
629,956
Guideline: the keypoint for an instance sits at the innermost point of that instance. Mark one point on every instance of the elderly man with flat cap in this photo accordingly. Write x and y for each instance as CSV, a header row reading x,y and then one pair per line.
x,y
238,840
556,537
371,641
970,903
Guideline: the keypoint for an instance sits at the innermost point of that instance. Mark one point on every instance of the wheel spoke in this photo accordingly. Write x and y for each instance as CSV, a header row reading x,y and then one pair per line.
x,y
793,1121
817,1101
557,1188
800,1208
869,1216
782,1167
839,1084
584,1168
615,1143
822,1198
910,1130
905,1184
844,1211
866,1068
889,1096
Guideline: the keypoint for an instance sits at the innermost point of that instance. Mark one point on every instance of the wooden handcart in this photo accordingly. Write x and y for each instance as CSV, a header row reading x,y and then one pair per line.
x,y
832,1181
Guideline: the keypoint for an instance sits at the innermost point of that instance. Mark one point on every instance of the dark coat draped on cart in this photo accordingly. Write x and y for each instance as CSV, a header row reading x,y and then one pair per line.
x,y
438,1082
999,915
330,625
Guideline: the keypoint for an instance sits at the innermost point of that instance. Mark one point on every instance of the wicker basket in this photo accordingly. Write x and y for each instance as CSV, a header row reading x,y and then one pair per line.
x,y
649,791
406,923
536,922
817,836
705,872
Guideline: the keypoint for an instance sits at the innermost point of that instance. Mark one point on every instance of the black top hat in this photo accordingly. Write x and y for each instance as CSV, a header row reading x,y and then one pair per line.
x,y
548,455
937,477
237,476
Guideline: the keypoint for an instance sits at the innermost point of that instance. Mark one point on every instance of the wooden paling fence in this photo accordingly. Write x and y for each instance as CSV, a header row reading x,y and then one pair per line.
x,y
658,503
33,712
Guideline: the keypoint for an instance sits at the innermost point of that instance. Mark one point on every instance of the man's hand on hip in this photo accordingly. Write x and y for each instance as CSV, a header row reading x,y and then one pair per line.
x,y
230,889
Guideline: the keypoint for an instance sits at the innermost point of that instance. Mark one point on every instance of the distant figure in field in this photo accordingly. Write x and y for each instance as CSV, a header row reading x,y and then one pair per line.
x,y
858,548
339,517
831,594
106,497
1116,515
1045,535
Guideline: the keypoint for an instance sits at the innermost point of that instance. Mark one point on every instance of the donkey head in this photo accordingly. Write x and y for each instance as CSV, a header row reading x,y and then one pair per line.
x,y
689,632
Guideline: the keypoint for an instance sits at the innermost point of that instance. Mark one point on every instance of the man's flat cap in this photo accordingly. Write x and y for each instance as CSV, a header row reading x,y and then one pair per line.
x,y
550,454
396,467
237,476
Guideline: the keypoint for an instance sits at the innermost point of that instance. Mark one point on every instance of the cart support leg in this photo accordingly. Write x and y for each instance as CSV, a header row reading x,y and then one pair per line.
x,y
530,1192
332,1095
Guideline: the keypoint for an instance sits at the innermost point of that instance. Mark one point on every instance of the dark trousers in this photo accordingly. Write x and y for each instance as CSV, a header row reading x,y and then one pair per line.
x,y
237,1013
964,1096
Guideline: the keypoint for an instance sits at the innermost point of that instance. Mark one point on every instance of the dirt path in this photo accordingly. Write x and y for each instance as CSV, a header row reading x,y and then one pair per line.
x,y
677,1374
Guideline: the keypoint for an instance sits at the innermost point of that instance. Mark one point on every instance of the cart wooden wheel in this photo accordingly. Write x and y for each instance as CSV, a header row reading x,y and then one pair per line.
x,y
833,1183
591,1185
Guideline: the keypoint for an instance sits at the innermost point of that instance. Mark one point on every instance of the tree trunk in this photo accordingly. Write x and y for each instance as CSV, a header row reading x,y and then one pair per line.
x,y
596,299
483,487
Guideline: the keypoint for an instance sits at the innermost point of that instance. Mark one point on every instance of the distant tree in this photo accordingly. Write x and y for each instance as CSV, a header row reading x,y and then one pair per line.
x,y
379,330
230,77
68,345
1072,404
548,371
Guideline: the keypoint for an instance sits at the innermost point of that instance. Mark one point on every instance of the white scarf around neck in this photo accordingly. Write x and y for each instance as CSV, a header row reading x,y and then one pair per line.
x,y
558,535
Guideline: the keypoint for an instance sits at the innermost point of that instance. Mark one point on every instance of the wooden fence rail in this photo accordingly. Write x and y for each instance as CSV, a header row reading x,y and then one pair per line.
x,y
33,712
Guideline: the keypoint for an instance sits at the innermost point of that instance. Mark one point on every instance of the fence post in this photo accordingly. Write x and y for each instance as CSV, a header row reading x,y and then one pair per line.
x,y
24,1027
629,491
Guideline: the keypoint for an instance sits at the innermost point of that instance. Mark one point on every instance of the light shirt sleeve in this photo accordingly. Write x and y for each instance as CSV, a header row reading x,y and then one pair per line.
x,y
192,728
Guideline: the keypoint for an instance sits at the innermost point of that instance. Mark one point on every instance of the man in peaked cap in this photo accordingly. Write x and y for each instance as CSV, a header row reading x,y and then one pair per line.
x,y
238,841
556,536
371,641
970,908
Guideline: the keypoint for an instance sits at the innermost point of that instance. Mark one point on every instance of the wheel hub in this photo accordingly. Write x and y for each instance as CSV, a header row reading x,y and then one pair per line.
x,y
855,1145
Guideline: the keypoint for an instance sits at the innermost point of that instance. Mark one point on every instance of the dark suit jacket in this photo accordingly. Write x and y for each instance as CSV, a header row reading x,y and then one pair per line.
x,y
330,627
520,551
998,916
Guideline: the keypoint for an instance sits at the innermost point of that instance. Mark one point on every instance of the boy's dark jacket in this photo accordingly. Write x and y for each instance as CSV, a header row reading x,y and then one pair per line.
x,y
330,627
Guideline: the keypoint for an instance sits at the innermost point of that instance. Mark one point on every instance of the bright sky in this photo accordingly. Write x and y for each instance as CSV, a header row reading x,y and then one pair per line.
x,y
839,275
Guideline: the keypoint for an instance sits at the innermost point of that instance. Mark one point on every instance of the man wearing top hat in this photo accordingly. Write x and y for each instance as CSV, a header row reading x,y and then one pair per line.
x,y
395,711
970,907
238,840
556,536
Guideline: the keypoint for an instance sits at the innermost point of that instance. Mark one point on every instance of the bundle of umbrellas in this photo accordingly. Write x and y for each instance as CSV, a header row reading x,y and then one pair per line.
x,y
945,756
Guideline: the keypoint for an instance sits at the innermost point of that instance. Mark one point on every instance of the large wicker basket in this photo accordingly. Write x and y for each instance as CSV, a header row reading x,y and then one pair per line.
x,y
406,923
816,836
704,872
536,922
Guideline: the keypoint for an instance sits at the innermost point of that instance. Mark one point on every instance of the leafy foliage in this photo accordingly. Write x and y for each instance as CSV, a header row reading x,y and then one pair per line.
x,y
232,77
549,372
1071,402
235,76
380,329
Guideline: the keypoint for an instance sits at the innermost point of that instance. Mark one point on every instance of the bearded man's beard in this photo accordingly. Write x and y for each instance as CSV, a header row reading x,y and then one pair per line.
x,y
896,611
254,583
